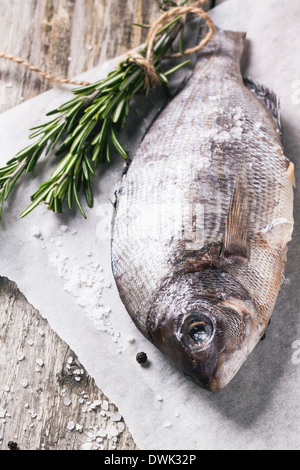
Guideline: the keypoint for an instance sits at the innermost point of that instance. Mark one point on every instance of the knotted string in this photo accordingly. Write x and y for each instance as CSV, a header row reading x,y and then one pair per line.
x,y
146,62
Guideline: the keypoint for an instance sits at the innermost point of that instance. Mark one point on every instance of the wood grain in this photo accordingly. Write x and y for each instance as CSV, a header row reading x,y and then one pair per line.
x,y
66,38
44,388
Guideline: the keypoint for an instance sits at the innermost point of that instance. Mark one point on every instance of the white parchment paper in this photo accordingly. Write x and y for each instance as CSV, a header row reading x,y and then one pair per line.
x,y
62,264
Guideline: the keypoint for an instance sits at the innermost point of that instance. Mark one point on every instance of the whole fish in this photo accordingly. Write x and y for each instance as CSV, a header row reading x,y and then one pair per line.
x,y
203,216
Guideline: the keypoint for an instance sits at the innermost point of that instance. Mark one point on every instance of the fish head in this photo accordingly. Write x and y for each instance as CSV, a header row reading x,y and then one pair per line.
x,y
207,326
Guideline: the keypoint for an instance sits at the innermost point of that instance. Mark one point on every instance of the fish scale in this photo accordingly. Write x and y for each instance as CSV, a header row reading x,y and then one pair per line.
x,y
206,202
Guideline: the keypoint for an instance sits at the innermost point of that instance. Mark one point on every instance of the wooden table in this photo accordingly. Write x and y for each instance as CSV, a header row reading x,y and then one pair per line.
x,y
47,399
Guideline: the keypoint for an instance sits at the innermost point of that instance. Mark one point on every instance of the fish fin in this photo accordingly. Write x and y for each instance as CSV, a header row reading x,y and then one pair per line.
x,y
291,173
236,237
276,233
269,99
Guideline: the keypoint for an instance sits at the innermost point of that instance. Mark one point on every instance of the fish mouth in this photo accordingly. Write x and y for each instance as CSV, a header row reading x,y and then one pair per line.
x,y
206,323
210,342
214,363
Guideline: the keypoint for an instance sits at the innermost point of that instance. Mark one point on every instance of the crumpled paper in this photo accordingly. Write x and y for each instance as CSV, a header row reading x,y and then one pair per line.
x,y
62,265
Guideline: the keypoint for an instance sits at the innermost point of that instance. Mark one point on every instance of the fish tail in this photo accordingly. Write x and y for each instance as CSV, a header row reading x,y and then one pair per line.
x,y
227,43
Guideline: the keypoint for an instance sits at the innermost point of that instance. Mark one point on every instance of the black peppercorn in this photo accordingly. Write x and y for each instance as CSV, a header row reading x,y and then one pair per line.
x,y
12,445
141,357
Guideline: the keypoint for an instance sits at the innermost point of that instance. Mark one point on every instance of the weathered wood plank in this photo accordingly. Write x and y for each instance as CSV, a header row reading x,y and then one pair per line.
x,y
64,37
44,388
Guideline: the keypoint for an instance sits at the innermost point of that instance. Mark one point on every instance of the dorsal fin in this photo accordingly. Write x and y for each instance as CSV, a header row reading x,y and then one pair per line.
x,y
236,237
269,100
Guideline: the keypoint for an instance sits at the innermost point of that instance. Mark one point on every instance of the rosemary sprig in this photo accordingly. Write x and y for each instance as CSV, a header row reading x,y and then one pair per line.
x,y
84,130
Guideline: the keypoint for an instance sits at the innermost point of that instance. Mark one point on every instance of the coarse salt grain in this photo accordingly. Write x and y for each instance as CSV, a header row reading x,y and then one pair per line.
x,y
130,339
116,416
121,426
70,425
87,446
167,424
105,405
21,356
35,231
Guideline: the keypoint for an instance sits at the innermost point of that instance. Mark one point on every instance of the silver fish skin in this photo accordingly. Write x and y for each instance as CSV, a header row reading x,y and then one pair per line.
x,y
203,217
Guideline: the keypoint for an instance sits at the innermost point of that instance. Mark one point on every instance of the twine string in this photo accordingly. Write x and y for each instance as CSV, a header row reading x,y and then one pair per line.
x,y
47,76
144,62
163,20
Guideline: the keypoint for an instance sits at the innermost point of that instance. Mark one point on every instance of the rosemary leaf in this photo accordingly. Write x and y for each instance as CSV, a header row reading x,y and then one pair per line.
x,y
84,129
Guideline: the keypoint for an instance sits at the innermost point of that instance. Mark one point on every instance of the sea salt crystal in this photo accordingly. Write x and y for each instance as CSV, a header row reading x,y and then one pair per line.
x,y
40,332
121,426
40,362
167,424
6,388
101,433
95,404
67,401
30,342
87,446
70,425
70,360
112,431
158,397
79,427
24,383
21,356
105,405
116,416
35,231
2,413
130,339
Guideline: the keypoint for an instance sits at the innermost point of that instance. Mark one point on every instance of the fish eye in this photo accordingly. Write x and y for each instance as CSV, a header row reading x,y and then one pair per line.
x,y
198,329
